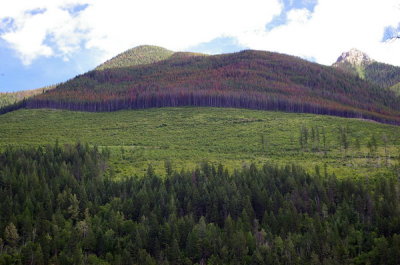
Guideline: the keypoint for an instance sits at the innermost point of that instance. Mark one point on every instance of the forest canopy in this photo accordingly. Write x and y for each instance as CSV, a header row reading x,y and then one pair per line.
x,y
57,207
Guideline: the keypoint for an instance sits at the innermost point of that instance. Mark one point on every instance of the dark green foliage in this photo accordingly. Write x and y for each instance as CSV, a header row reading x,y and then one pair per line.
x,y
344,137
312,138
372,146
56,208
303,138
384,75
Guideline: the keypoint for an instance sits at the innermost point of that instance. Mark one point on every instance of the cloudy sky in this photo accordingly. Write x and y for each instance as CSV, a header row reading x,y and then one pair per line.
x,y
43,42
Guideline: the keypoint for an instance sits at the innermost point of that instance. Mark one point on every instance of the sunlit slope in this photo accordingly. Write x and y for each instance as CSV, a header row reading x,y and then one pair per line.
x,y
145,54
234,137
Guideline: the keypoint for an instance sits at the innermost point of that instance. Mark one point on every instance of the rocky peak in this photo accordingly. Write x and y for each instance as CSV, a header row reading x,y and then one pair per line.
x,y
354,57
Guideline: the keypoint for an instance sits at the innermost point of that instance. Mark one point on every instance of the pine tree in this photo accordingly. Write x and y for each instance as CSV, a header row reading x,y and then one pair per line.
x,y
11,235
385,142
324,141
168,167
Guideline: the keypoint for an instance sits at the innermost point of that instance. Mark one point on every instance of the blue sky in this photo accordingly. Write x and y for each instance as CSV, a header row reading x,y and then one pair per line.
x,y
44,42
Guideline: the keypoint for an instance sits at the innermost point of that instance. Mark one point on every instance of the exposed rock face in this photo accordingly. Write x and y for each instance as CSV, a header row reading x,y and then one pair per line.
x,y
354,57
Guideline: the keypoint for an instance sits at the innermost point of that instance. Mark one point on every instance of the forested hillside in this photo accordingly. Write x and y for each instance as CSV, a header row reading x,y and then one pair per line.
x,y
57,208
248,79
384,75
10,98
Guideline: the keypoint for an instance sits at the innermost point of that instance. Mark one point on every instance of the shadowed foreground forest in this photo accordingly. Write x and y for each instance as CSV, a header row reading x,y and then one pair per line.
x,y
58,208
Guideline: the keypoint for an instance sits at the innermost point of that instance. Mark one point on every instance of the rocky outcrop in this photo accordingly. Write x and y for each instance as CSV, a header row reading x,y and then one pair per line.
x,y
354,57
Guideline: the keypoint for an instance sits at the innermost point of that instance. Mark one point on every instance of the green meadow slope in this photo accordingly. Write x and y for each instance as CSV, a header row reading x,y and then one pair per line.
x,y
235,137
141,55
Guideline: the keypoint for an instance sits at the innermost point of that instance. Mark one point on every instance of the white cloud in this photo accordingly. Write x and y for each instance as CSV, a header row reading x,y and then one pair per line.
x,y
299,16
114,26
51,32
176,24
334,27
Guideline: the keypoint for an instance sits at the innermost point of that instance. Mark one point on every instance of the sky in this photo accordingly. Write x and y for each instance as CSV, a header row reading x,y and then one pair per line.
x,y
45,42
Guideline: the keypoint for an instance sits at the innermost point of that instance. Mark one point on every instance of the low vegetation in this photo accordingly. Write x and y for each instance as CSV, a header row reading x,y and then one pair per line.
x,y
235,137
140,55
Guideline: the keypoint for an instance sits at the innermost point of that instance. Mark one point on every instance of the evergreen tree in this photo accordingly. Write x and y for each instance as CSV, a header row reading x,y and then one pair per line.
x,y
11,235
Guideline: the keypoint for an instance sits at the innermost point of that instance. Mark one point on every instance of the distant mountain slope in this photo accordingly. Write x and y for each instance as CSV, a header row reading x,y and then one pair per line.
x,y
248,79
8,98
396,89
145,54
360,64
384,75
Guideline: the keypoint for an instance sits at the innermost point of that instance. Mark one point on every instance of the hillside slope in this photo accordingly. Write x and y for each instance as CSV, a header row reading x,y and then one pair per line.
x,y
187,136
384,75
248,79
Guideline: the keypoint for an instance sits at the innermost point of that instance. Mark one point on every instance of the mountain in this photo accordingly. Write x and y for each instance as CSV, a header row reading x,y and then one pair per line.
x,y
248,79
354,61
360,64
145,54
140,55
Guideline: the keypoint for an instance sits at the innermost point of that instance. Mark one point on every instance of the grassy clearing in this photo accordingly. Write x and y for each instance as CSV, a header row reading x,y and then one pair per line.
x,y
190,136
